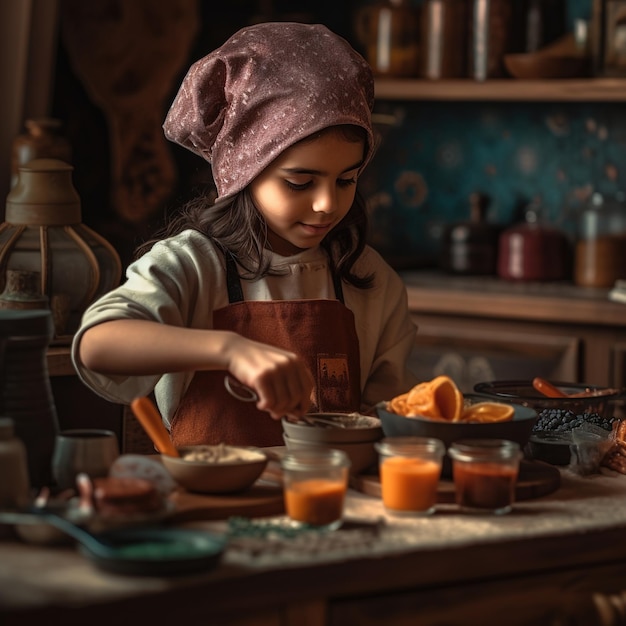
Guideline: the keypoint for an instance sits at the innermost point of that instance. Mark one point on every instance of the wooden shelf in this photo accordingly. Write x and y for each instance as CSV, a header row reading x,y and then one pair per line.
x,y
491,297
556,90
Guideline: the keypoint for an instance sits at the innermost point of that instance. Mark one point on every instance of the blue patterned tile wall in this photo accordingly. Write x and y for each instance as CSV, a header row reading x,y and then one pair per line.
x,y
436,154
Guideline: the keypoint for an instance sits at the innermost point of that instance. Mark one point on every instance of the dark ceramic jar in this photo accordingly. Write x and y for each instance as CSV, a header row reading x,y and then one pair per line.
x,y
471,247
533,251
25,388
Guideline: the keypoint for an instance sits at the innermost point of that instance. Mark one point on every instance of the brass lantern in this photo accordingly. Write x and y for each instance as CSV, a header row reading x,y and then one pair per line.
x,y
43,232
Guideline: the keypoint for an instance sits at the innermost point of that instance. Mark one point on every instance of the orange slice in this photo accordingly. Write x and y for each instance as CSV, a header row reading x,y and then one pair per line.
x,y
421,401
438,399
447,397
484,412
398,404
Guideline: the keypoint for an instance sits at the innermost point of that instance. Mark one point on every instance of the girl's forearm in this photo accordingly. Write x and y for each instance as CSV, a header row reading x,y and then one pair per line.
x,y
141,347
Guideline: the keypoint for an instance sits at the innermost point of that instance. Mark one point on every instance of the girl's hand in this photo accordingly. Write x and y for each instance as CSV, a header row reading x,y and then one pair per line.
x,y
281,379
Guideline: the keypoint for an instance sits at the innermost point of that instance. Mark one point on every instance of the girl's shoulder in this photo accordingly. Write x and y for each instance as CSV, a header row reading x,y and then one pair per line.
x,y
372,262
385,279
184,247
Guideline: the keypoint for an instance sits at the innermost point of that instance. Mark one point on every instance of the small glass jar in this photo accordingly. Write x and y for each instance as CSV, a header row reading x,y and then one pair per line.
x,y
600,257
443,38
485,474
389,31
410,469
315,482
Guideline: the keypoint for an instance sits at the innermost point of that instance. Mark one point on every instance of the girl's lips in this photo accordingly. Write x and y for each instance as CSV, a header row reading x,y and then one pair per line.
x,y
316,228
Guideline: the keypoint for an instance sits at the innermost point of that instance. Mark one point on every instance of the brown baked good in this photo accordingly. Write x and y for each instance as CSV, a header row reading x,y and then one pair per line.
x,y
615,456
125,496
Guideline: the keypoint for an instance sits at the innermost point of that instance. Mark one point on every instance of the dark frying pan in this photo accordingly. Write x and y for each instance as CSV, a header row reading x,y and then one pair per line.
x,y
147,551
156,551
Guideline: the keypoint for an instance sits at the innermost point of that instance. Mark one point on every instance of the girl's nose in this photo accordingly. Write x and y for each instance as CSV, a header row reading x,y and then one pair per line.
x,y
325,201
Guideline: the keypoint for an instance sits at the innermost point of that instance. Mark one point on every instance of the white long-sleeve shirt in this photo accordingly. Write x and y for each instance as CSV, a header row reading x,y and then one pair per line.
x,y
182,280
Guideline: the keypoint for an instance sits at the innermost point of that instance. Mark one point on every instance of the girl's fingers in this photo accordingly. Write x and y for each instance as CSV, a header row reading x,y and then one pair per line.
x,y
281,395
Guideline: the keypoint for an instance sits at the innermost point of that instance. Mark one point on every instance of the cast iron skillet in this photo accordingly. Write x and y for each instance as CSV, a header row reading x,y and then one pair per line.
x,y
140,551
156,551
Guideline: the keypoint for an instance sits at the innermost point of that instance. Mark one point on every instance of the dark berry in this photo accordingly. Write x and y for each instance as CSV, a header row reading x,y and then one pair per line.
x,y
564,420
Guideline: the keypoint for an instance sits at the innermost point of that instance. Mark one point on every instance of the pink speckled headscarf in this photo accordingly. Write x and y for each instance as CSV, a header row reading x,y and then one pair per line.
x,y
266,88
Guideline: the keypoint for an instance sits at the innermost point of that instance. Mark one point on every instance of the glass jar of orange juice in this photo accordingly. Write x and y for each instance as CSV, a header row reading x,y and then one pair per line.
x,y
410,468
314,486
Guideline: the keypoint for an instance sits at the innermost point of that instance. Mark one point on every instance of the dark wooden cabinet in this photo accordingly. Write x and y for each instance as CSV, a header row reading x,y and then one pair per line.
x,y
479,329
474,350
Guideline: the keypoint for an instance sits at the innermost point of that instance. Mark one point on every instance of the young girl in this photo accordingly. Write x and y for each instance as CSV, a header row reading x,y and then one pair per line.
x,y
272,286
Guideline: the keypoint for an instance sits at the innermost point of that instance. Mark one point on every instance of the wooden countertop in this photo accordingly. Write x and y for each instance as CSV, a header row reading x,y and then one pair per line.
x,y
575,530
559,302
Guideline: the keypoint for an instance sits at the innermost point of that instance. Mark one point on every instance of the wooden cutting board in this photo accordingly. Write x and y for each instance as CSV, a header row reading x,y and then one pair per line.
x,y
535,479
264,498
258,501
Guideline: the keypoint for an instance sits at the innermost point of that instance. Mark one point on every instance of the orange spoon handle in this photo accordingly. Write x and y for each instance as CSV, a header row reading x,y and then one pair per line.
x,y
547,389
150,419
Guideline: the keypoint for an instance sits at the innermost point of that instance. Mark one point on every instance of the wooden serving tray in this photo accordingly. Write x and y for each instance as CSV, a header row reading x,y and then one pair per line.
x,y
258,501
535,479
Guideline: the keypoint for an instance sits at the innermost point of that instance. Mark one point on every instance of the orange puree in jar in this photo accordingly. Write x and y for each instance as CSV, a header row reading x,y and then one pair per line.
x,y
409,484
316,501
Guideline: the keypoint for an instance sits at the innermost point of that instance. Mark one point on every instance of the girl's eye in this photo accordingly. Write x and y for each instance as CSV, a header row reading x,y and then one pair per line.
x,y
297,186
341,182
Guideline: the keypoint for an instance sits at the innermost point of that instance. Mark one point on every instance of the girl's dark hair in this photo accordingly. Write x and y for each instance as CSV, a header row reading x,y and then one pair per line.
x,y
238,228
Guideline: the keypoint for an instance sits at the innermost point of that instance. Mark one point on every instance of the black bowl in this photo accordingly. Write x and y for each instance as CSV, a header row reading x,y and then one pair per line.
x,y
522,392
551,447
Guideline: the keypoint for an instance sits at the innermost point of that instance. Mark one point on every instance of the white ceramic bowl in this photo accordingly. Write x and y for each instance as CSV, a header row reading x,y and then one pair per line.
x,y
362,454
351,427
216,476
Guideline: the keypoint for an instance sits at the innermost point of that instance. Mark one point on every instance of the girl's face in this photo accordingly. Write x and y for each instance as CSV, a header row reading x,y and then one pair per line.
x,y
307,191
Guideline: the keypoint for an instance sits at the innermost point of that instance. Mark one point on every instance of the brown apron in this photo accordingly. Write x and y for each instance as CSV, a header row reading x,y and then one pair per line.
x,y
322,332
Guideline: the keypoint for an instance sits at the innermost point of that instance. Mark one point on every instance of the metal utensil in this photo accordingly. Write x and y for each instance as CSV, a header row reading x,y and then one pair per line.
x,y
97,546
246,394
314,420
239,390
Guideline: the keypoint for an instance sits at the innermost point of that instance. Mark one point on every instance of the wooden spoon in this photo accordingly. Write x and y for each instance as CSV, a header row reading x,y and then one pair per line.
x,y
150,419
547,389
550,391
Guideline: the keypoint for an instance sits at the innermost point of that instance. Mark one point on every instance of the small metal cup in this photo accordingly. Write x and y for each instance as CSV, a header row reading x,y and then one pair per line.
x,y
87,450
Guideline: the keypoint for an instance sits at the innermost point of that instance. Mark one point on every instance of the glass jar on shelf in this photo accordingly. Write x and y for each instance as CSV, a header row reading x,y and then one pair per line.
x,y
389,32
600,257
444,39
